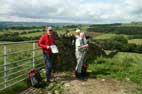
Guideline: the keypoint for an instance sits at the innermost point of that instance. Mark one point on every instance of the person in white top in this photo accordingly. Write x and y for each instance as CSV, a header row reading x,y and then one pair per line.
x,y
80,52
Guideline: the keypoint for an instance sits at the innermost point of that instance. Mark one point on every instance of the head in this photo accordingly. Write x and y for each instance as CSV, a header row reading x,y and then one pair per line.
x,y
82,35
49,30
77,32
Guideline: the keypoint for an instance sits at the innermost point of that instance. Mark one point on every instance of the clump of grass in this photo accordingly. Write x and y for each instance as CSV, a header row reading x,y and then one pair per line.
x,y
15,89
138,89
52,88
123,66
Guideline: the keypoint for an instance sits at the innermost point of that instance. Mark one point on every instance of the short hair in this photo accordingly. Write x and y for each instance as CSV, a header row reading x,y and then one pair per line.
x,y
49,28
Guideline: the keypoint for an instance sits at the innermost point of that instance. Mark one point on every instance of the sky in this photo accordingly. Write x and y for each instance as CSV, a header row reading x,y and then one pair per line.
x,y
71,11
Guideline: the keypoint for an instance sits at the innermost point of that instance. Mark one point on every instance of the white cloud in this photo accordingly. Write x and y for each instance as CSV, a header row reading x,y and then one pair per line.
x,y
91,11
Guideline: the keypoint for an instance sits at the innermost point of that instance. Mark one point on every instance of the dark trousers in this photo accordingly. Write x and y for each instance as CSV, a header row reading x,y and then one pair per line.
x,y
48,63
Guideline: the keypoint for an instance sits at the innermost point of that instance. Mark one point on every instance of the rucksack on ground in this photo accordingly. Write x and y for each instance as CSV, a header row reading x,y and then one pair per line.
x,y
83,71
35,78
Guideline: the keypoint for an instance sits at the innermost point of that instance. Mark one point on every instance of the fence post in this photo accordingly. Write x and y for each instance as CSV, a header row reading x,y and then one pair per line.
x,y
5,65
33,55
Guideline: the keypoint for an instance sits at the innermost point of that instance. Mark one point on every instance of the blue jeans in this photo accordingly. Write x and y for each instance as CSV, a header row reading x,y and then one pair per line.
x,y
48,63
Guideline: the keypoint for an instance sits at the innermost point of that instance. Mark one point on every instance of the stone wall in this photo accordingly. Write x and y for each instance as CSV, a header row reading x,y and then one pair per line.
x,y
65,60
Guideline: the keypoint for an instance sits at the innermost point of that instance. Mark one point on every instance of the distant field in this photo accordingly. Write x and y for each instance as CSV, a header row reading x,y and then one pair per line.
x,y
108,36
124,55
1,33
137,41
132,24
135,56
32,34
84,28
19,31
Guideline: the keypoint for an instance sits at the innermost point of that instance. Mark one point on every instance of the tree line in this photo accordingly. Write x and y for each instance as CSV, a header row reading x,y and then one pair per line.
x,y
130,30
14,37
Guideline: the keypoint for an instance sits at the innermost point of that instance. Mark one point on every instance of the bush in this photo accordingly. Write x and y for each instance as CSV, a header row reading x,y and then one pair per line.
x,y
119,43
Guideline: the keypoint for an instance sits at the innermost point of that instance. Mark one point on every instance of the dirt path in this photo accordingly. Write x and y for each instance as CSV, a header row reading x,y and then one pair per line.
x,y
97,86
89,86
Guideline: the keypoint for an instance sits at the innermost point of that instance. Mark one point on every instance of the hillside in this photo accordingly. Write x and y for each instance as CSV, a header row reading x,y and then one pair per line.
x,y
111,71
30,24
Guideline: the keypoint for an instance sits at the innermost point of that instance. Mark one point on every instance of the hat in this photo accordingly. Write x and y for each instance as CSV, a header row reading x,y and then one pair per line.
x,y
49,28
77,30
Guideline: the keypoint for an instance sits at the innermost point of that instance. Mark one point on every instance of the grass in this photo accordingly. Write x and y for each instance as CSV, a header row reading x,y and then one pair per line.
x,y
54,88
137,24
108,36
84,27
136,41
14,30
23,66
15,89
32,34
123,66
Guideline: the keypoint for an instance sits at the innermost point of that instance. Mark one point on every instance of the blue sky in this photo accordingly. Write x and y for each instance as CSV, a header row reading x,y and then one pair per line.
x,y
75,11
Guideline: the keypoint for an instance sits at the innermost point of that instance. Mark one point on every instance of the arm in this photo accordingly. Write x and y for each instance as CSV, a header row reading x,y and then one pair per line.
x,y
79,45
41,43
84,46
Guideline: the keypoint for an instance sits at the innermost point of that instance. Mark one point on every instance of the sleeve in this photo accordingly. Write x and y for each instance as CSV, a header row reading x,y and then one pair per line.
x,y
77,43
41,42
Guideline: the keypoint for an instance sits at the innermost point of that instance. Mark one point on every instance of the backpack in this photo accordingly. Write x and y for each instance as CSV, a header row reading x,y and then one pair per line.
x,y
35,78
84,70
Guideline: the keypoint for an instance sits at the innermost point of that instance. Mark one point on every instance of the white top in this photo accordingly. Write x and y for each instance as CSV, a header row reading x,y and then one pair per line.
x,y
78,43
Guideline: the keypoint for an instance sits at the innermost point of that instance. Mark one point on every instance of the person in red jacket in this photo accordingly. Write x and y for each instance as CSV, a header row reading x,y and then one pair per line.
x,y
45,41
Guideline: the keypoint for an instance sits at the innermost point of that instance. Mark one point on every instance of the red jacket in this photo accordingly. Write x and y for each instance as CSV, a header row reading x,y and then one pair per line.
x,y
46,40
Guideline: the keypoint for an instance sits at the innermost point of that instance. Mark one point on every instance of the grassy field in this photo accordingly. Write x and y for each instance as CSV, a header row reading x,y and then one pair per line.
x,y
14,30
23,66
138,24
123,66
136,41
108,36
32,34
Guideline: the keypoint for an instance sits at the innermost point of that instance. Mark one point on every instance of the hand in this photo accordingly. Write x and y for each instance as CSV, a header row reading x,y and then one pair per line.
x,y
86,45
48,47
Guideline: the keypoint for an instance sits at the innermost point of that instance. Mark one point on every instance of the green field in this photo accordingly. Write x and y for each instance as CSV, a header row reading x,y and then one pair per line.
x,y
135,24
123,66
109,36
136,41
13,31
32,34
24,51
